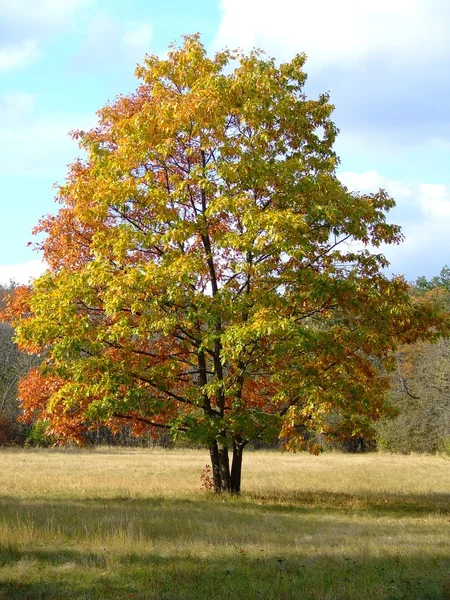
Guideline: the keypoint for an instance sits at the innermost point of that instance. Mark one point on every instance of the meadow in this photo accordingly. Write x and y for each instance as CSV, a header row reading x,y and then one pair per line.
x,y
135,524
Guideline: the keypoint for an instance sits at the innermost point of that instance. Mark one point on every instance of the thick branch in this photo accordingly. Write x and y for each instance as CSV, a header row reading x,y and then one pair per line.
x,y
144,420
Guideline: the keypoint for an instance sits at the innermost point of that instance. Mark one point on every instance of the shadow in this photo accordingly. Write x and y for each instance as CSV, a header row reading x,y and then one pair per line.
x,y
179,519
240,576
389,504
303,501
318,547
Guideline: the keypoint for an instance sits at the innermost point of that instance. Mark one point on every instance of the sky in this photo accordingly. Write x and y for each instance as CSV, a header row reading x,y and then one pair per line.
x,y
385,64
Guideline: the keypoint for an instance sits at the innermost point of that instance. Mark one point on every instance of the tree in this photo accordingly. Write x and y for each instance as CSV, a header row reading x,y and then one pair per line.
x,y
420,393
422,284
201,274
13,366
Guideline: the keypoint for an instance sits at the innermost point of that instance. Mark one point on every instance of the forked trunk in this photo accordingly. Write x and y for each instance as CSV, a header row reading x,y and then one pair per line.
x,y
225,480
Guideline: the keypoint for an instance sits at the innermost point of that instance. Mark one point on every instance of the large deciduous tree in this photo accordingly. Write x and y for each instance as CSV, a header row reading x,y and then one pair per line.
x,y
208,273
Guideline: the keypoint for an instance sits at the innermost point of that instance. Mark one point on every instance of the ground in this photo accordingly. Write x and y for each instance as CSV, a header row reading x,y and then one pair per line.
x,y
121,524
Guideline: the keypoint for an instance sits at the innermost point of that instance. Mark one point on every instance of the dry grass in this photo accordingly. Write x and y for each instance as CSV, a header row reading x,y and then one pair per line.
x,y
135,524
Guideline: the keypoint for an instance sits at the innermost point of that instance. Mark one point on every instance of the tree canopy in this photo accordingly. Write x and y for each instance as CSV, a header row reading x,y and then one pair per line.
x,y
209,273
423,285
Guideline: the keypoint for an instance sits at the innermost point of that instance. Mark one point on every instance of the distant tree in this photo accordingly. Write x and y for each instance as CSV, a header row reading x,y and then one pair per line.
x,y
201,274
442,280
420,395
13,366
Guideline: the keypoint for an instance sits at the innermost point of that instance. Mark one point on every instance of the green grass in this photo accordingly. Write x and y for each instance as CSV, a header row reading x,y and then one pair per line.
x,y
116,524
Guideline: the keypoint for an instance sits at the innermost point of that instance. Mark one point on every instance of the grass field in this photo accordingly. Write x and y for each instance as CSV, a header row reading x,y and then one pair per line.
x,y
134,524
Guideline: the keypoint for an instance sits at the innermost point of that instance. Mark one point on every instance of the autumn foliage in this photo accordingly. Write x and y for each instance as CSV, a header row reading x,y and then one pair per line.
x,y
208,272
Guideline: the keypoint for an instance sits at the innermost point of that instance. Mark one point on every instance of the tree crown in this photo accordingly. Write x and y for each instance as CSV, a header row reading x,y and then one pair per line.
x,y
208,272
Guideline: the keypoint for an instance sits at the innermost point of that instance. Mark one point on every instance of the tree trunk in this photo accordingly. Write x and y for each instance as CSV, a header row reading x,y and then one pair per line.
x,y
236,467
215,464
224,479
224,465
220,467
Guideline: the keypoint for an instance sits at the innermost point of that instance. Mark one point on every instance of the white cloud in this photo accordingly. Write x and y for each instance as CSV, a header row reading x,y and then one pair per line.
x,y
39,14
372,181
42,148
14,56
24,24
21,273
137,39
16,106
109,43
435,200
362,182
423,211
36,144
342,33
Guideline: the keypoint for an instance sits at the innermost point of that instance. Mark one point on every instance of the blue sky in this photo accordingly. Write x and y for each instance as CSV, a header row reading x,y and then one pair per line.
x,y
384,62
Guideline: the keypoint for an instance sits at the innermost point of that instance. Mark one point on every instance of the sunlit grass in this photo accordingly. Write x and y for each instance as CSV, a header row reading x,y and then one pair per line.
x,y
135,524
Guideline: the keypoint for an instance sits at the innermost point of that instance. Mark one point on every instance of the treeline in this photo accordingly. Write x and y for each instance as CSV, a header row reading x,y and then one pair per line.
x,y
13,366
420,391
419,419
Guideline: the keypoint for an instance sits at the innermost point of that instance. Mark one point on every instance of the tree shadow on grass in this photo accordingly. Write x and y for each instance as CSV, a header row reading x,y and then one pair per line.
x,y
149,576
382,504
307,502
323,547
236,521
